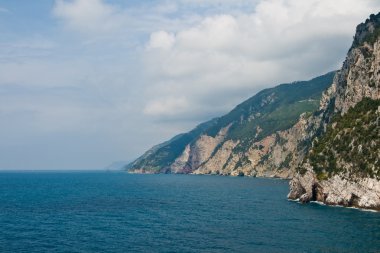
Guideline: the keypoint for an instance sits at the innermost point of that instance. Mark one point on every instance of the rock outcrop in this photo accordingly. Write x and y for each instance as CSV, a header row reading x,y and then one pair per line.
x,y
343,167
339,190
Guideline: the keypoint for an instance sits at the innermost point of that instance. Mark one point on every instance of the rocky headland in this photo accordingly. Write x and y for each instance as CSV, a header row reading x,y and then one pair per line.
x,y
323,134
343,165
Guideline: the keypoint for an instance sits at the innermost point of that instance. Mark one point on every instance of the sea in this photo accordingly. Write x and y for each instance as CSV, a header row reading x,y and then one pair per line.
x,y
61,211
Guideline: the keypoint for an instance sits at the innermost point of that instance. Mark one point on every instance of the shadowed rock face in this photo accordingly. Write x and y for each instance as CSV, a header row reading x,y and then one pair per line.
x,y
345,181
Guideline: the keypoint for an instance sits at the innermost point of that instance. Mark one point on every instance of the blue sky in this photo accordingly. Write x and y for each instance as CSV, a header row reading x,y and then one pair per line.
x,y
84,83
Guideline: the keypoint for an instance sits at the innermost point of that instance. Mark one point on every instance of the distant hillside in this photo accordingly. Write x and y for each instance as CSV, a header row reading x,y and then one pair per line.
x,y
118,165
238,142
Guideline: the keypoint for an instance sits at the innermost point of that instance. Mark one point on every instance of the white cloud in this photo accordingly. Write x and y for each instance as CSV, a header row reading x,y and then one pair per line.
x,y
88,16
230,4
234,55
213,33
161,39
171,105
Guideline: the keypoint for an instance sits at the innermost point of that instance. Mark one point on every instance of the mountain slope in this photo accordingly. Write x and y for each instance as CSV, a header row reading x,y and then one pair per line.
x,y
239,142
159,158
342,167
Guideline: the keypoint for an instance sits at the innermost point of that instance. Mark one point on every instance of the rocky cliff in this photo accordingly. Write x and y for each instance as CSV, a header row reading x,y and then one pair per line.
x,y
343,165
328,143
263,136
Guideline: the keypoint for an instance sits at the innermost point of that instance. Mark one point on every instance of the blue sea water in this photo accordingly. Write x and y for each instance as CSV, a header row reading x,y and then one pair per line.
x,y
119,212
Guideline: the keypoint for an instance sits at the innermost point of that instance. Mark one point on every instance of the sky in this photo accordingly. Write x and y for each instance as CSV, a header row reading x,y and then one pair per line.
x,y
84,83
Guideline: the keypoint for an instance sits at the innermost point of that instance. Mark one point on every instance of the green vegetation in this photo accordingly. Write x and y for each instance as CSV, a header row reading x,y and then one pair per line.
x,y
372,37
300,169
242,162
272,110
275,105
286,162
351,143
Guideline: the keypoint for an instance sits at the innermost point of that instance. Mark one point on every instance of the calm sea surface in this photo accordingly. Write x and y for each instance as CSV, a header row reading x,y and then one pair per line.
x,y
118,212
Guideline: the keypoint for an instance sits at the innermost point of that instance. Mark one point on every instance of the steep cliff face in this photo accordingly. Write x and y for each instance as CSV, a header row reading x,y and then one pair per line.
x,y
343,165
276,155
260,137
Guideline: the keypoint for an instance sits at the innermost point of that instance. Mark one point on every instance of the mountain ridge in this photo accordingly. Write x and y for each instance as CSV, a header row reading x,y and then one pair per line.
x,y
269,111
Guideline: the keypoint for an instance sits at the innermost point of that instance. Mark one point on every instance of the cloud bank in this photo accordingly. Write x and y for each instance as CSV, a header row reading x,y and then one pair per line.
x,y
235,54
95,81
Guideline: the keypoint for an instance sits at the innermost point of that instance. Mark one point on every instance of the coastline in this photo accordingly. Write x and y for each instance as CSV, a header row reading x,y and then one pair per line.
x,y
339,206
197,174
273,178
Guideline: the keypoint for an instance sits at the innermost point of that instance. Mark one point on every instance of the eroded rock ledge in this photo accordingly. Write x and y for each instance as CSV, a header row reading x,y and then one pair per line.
x,y
337,190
